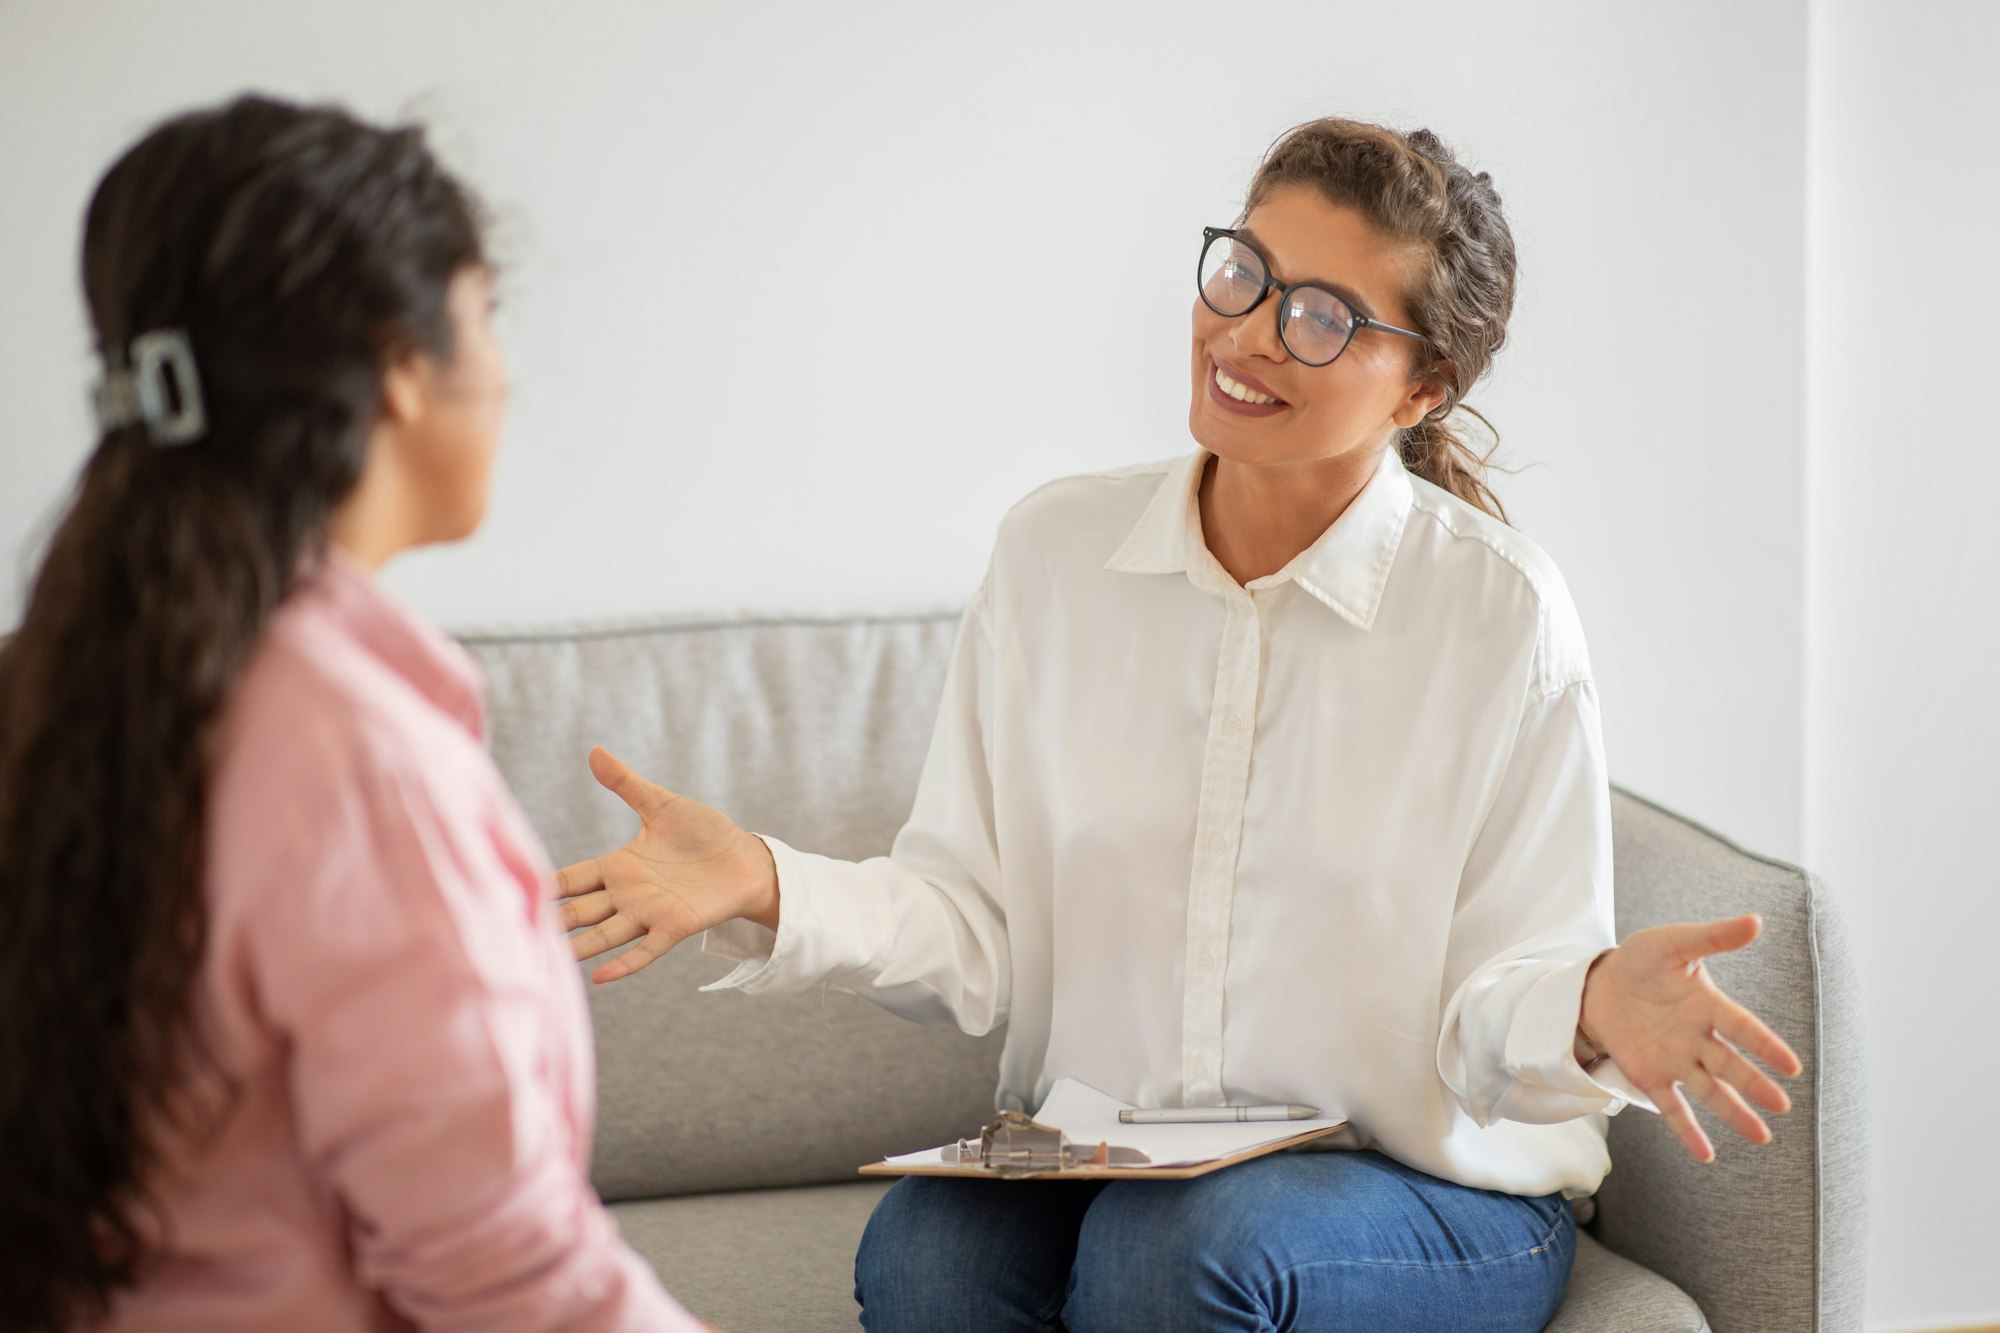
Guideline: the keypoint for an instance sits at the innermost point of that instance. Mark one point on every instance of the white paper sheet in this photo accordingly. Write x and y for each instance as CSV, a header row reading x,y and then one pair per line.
x,y
1088,1117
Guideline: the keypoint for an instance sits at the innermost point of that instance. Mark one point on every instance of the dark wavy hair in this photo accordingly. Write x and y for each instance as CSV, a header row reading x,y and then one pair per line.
x,y
1412,188
300,250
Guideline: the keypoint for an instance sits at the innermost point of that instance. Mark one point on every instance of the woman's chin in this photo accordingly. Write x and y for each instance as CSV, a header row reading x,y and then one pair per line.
x,y
1249,441
456,522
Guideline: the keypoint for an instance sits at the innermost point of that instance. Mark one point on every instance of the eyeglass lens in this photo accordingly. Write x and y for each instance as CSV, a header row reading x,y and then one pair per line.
x,y
1315,324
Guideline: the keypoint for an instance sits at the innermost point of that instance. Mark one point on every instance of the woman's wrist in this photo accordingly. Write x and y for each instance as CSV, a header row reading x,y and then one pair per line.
x,y
1587,1052
1588,1049
763,876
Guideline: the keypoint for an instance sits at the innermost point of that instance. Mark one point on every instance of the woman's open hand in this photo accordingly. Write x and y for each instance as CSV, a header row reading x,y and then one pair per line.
x,y
1651,1005
690,868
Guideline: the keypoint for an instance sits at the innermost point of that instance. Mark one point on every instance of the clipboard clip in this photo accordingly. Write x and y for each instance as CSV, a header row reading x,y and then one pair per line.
x,y
1015,1145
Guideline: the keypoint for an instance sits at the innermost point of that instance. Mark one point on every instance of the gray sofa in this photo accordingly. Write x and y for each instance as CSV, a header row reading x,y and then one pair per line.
x,y
729,1128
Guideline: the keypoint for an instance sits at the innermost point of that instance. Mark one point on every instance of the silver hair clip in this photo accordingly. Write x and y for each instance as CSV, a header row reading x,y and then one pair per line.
x,y
127,396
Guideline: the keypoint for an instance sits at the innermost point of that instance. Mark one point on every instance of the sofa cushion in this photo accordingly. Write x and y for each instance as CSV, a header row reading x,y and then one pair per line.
x,y
814,732
1607,1291
759,1261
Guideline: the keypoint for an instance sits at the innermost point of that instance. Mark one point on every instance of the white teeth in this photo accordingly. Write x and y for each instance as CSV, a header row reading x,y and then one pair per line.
x,y
1239,392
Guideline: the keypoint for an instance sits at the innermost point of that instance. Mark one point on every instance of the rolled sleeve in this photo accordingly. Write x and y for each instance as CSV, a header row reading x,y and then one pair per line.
x,y
1541,1044
1534,911
782,962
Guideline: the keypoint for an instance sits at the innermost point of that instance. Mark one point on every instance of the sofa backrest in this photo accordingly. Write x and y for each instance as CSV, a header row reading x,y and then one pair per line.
x,y
815,731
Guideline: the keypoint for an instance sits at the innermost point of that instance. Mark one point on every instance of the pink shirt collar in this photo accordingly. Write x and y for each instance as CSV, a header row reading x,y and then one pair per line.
x,y
433,664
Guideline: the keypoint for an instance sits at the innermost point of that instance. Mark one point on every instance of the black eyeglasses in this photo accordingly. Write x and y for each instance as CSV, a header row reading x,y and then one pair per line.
x,y
1315,323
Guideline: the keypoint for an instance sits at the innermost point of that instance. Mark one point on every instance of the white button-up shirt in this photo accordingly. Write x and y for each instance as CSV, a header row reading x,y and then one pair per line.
x,y
1339,837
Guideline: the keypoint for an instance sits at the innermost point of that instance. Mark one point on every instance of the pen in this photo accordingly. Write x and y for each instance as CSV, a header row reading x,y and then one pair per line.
x,y
1205,1115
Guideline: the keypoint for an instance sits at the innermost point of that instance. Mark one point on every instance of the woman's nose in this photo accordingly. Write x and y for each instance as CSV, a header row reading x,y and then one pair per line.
x,y
1256,333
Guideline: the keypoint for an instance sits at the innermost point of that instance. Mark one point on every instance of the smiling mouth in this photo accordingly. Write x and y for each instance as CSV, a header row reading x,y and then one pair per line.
x,y
1241,392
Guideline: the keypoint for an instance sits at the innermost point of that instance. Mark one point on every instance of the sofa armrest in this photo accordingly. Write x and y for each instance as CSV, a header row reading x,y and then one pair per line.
x,y
1766,1237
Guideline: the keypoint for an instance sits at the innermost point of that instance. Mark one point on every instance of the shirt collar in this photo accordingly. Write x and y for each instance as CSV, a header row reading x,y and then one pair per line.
x,y
1346,568
416,651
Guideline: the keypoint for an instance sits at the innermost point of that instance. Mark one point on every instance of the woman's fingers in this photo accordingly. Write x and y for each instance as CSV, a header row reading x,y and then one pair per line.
x,y
1695,941
614,774
606,935
588,910
1728,1103
1680,1119
1747,1032
583,877
648,948
1727,1063
1716,1083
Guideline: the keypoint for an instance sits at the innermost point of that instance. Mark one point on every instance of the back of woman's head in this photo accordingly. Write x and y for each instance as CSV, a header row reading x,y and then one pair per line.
x,y
1411,188
294,252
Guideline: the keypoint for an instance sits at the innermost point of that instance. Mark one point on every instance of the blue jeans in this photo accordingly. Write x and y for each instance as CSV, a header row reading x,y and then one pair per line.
x,y
1299,1241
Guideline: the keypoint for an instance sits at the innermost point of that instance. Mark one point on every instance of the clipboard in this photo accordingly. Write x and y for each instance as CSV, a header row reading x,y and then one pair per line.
x,y
1015,1147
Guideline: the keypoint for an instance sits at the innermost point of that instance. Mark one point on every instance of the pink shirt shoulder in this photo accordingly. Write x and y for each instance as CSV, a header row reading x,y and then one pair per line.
x,y
407,1136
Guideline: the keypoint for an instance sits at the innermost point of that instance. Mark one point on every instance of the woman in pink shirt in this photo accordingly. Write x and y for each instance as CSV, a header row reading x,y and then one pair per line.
x,y
289,1035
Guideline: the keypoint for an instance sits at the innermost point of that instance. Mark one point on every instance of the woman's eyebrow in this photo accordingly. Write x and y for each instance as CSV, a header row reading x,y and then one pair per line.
x,y
1340,289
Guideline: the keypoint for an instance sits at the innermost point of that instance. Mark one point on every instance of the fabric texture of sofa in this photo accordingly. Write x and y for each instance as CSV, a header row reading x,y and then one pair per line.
x,y
729,1128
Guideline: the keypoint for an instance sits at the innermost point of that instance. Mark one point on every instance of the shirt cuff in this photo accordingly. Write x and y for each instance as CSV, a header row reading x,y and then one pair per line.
x,y
1606,1074
764,956
1541,1045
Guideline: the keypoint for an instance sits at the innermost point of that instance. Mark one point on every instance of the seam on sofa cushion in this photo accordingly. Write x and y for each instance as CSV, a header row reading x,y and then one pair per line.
x,y
1819,1104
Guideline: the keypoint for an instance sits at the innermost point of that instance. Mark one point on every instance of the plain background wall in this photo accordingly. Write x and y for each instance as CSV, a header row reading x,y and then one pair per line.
x,y
710,415
1903,570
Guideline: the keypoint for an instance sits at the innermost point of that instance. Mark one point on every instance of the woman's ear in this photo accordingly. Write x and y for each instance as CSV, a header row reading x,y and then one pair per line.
x,y
1429,390
405,389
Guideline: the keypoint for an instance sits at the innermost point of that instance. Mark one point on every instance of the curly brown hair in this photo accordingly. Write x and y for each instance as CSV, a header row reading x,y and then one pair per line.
x,y
1413,189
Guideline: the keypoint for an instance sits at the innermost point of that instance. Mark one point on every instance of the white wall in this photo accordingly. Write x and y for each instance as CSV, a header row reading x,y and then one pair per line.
x,y
1903,696
666,172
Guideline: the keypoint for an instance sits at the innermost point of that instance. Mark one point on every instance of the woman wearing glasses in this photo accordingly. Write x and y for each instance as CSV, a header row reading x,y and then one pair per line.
x,y
1268,774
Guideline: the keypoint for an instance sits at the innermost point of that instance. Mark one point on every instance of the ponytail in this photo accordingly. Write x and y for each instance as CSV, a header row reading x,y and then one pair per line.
x,y
1434,450
152,597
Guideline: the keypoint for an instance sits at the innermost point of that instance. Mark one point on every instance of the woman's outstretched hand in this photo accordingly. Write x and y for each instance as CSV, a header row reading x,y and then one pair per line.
x,y
690,868
1652,1007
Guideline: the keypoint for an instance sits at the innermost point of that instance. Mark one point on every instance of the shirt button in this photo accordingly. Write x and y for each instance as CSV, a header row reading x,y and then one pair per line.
x,y
1201,1071
1206,962
1218,843
1234,725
